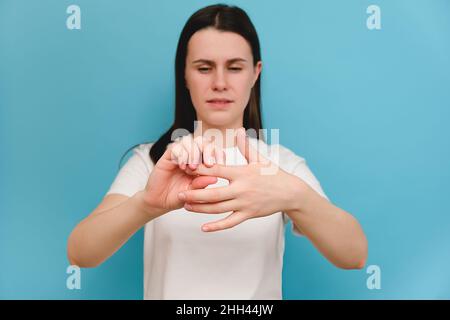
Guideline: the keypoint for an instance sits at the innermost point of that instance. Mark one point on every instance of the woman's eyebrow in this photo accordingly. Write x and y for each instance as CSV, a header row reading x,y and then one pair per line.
x,y
210,62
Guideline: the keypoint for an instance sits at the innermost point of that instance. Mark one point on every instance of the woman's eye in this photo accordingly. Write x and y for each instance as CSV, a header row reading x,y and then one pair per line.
x,y
204,70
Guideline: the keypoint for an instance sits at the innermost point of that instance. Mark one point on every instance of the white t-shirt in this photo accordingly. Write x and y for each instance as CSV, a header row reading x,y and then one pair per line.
x,y
183,262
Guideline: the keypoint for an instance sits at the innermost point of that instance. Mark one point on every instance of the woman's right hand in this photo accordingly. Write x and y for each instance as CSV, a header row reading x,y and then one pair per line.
x,y
171,174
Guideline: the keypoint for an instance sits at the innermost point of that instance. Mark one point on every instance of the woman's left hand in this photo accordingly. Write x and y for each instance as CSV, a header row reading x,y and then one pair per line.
x,y
257,189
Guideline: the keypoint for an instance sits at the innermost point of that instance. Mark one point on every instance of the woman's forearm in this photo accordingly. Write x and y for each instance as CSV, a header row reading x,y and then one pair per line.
x,y
333,231
99,236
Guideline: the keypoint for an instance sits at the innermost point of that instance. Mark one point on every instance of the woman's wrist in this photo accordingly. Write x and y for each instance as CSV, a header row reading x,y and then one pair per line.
x,y
297,194
146,207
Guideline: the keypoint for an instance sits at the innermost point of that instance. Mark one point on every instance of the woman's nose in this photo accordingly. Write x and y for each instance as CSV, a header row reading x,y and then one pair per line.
x,y
219,80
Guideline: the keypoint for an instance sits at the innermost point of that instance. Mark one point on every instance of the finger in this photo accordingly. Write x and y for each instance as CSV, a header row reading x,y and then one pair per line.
x,y
208,154
202,182
183,159
199,141
193,151
230,221
176,151
191,172
198,145
219,154
209,195
206,148
217,170
218,207
166,161
244,146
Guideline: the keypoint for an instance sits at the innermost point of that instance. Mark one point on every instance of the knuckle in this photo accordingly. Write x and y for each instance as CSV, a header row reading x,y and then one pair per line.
x,y
215,195
199,141
188,196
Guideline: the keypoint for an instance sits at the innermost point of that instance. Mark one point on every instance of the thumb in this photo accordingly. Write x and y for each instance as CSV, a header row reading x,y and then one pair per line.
x,y
244,146
201,182
166,162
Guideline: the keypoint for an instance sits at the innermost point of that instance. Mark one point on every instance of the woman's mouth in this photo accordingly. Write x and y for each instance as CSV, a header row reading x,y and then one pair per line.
x,y
219,103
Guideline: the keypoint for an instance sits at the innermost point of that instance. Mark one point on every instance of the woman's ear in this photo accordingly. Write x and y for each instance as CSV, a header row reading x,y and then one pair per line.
x,y
258,69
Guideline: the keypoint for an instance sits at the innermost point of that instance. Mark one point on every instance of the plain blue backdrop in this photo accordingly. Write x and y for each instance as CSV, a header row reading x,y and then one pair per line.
x,y
367,109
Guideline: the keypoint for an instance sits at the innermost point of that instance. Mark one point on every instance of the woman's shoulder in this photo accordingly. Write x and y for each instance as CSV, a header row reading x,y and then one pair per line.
x,y
144,147
142,152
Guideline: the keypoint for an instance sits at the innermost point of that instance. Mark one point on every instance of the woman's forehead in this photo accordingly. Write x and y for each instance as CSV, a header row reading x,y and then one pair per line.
x,y
215,45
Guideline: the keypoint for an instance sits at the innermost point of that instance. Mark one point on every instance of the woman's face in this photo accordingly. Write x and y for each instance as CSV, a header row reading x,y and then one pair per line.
x,y
219,65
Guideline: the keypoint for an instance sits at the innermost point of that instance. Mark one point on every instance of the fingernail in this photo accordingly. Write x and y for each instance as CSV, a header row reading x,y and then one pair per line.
x,y
181,196
188,206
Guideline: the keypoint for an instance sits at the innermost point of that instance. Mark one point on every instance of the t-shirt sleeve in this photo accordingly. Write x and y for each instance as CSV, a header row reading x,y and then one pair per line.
x,y
302,171
133,176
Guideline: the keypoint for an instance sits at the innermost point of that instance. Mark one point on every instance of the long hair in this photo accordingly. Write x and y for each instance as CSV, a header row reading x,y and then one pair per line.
x,y
224,18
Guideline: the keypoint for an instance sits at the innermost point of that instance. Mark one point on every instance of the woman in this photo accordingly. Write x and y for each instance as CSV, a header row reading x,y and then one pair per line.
x,y
214,221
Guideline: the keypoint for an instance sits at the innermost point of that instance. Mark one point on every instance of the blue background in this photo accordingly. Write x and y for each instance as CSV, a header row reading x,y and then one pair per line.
x,y
367,109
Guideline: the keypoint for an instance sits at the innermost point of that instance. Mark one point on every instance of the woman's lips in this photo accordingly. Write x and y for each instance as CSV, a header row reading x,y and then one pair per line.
x,y
219,103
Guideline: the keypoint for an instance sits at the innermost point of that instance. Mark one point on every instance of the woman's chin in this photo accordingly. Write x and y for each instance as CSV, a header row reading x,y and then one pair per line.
x,y
219,120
